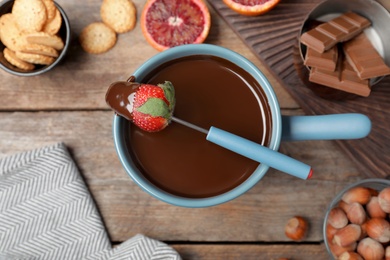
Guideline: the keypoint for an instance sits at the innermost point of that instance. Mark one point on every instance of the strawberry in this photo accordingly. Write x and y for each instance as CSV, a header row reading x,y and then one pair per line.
x,y
152,106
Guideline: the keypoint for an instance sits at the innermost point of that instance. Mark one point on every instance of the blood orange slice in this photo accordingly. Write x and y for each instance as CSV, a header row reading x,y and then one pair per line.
x,y
169,23
251,7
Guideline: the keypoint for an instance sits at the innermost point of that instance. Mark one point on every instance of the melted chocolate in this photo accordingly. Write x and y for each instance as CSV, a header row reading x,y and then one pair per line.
x,y
210,91
118,96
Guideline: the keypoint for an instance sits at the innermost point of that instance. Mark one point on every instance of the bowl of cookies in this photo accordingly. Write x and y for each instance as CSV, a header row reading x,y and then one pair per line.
x,y
34,36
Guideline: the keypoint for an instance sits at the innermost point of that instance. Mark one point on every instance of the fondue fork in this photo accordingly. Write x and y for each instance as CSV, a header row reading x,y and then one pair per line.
x,y
252,150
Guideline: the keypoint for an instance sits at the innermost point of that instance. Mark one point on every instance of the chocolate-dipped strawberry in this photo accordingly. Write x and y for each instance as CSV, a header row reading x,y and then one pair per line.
x,y
149,107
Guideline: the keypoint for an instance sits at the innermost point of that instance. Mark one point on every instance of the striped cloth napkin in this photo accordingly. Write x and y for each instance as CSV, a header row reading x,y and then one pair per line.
x,y
47,212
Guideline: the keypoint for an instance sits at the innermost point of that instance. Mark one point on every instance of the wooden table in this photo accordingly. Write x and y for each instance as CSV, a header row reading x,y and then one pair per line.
x,y
67,105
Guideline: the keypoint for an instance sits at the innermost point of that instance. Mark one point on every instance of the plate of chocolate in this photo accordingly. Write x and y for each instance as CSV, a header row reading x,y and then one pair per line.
x,y
343,46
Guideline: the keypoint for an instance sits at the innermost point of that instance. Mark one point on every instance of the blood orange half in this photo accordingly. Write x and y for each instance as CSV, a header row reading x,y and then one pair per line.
x,y
251,7
169,23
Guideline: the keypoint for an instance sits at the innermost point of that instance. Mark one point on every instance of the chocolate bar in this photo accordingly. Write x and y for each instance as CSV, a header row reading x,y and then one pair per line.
x,y
343,78
326,60
364,58
339,29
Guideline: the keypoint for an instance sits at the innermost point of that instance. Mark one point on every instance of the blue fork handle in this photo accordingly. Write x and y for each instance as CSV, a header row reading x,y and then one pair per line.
x,y
259,153
295,128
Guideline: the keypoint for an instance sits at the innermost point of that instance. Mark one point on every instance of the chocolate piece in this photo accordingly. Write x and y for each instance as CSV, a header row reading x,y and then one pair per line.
x,y
344,78
326,60
356,19
318,40
331,31
343,25
364,58
347,26
340,29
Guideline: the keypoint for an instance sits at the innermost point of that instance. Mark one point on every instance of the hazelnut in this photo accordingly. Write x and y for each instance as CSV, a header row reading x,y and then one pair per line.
x,y
378,229
338,250
384,199
347,235
344,206
373,208
350,256
370,249
330,231
356,213
337,218
296,228
364,230
361,195
373,192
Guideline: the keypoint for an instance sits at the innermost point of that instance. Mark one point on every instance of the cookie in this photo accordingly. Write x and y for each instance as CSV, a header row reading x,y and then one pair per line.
x,y
45,39
53,26
120,15
34,58
10,34
39,49
97,38
30,15
50,9
11,58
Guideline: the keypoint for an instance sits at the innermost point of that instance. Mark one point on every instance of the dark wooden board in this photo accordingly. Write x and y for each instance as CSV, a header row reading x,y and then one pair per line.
x,y
273,38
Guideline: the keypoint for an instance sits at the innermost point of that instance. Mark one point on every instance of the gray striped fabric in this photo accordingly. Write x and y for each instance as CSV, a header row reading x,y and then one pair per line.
x,y
46,212
138,247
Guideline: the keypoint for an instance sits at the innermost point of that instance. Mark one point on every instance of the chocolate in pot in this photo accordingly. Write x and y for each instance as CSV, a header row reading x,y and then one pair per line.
x,y
209,91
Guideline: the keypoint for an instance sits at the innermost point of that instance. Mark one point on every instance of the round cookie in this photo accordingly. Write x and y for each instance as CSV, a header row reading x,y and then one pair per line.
x,y
10,34
50,9
39,49
11,58
53,26
35,58
97,38
120,15
45,39
30,15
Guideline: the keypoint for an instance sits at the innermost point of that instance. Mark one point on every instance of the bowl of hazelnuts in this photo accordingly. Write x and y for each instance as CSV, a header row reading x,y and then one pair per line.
x,y
357,222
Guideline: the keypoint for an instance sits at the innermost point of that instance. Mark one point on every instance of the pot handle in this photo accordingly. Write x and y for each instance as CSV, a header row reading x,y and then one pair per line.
x,y
325,127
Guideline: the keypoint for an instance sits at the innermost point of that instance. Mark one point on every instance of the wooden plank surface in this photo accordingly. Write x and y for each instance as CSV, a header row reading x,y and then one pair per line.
x,y
67,105
248,252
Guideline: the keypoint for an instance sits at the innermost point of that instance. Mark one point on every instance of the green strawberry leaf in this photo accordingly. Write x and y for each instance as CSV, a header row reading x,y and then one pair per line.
x,y
169,92
155,107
